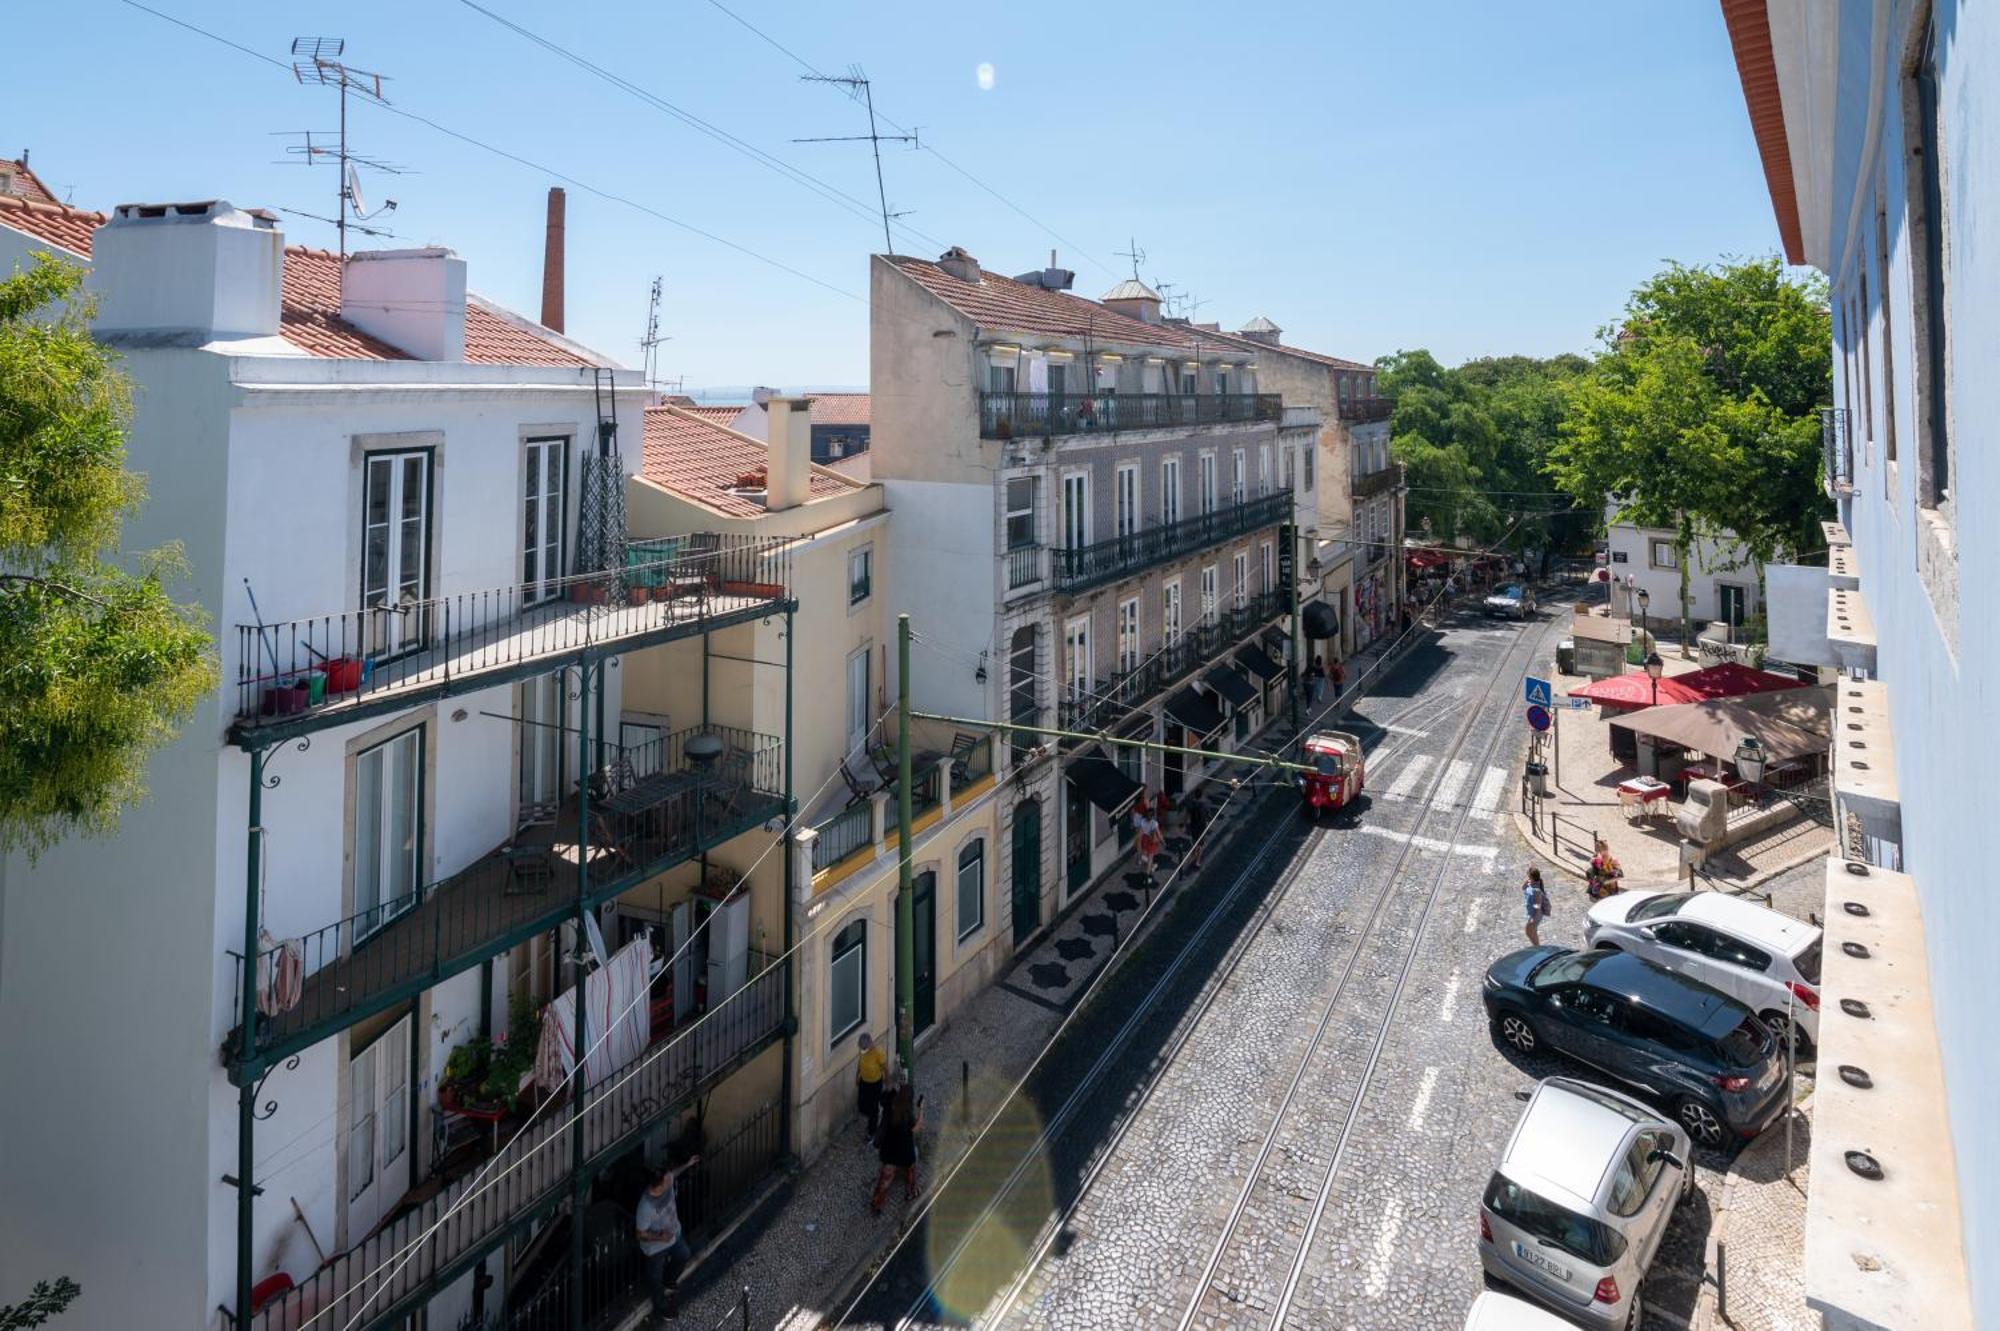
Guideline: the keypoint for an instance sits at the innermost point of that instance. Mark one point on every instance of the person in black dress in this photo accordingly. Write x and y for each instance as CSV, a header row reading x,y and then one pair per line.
x,y
896,1144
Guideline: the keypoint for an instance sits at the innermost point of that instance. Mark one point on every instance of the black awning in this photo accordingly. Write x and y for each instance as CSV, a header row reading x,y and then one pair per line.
x,y
1259,663
1320,620
1101,782
1230,683
1197,713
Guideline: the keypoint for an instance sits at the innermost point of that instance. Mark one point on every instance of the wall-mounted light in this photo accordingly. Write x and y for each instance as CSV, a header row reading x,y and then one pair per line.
x,y
980,674
459,715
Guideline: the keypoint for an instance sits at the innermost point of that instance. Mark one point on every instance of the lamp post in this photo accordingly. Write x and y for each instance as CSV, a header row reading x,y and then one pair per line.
x,y
1751,760
1645,636
1654,665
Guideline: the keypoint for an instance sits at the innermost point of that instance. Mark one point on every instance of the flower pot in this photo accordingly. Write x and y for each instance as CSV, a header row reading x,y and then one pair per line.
x,y
343,675
587,593
286,699
315,682
635,595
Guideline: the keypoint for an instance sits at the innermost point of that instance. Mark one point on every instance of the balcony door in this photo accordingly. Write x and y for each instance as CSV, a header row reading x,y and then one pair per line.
x,y
378,1130
1128,636
1207,484
388,830
541,746
1076,657
1076,510
1208,594
1128,501
857,704
1170,491
1170,613
542,519
395,549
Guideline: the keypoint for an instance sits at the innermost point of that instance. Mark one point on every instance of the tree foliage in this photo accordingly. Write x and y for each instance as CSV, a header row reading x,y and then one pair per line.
x,y
97,662
1474,444
48,1299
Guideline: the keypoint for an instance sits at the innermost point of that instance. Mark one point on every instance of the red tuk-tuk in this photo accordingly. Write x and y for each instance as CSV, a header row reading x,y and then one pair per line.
x,y
1336,759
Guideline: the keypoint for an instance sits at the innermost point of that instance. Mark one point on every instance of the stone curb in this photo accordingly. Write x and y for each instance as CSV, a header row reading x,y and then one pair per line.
x,y
1522,826
1707,1314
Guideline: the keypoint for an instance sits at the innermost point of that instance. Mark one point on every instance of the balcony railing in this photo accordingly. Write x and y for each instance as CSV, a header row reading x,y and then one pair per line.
x,y
370,1284
1365,410
1116,695
853,828
302,674
1122,556
1368,484
652,806
1019,415
1024,566
1837,444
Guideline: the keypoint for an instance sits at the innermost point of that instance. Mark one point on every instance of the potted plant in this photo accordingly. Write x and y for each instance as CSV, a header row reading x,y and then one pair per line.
x,y
463,1072
635,594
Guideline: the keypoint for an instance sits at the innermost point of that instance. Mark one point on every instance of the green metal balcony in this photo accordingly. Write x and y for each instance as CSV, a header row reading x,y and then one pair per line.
x,y
1025,415
653,806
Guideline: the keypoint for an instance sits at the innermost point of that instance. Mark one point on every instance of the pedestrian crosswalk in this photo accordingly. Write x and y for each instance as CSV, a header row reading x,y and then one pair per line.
x,y
1406,780
1488,795
1452,785
1492,791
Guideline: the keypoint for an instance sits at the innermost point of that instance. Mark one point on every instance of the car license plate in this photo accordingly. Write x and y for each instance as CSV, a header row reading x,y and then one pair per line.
x,y
1533,1257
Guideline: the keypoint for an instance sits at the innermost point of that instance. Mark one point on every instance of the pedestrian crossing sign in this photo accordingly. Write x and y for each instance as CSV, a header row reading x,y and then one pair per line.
x,y
1537,691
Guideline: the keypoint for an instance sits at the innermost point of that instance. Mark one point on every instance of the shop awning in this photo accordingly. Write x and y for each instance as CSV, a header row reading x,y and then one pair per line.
x,y
1259,663
1228,681
1197,713
1101,782
1728,680
1427,559
1320,620
1791,723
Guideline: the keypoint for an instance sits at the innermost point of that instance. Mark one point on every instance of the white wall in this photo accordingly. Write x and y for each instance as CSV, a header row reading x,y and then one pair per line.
x,y
943,571
1710,564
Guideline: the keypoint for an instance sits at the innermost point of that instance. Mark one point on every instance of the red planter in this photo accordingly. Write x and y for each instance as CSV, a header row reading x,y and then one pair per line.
x,y
343,675
764,590
587,593
286,699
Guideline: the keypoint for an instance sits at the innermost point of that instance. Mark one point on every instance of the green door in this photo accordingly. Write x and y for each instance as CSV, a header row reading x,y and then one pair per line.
x,y
923,927
1027,868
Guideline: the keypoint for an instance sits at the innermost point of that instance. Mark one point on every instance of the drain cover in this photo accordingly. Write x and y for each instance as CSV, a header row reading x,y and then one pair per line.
x,y
1856,1077
1859,951
1854,908
1854,1007
1864,1164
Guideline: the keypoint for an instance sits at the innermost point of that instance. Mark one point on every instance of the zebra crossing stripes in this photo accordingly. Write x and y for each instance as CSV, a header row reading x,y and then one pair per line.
x,y
1492,791
1453,785
1406,780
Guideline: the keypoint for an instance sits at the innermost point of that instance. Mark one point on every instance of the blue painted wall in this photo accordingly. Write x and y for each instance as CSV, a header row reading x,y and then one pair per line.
x,y
1944,700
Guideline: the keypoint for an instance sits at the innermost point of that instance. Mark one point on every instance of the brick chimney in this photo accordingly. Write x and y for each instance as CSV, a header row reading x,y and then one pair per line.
x,y
552,261
210,270
788,437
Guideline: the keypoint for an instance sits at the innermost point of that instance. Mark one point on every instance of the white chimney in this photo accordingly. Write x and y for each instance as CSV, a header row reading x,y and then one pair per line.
x,y
211,270
412,299
788,435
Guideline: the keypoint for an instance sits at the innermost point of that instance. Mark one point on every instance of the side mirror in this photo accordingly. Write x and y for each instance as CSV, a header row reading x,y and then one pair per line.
x,y
1668,1156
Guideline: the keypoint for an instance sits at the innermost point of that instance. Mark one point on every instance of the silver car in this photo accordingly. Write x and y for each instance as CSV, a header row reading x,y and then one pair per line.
x,y
1512,599
1580,1201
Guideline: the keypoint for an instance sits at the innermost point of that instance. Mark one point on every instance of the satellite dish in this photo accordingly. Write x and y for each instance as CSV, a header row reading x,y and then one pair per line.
x,y
354,190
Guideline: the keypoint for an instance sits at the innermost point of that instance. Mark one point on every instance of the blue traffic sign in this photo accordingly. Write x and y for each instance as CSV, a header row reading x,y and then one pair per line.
x,y
1538,692
1538,717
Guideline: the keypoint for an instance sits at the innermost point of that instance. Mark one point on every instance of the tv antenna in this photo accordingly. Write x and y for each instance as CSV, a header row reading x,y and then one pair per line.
x,y
317,60
857,85
649,345
1135,254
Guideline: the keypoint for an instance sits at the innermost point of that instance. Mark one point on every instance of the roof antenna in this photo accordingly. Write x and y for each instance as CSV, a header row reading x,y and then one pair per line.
x,y
317,60
649,345
855,81
1134,253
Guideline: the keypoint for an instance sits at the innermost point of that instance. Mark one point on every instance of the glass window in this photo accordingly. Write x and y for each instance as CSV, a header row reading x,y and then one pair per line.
x,y
1745,1046
1076,510
1208,483
387,823
1661,553
1020,512
1170,613
542,519
541,742
857,700
1077,642
1657,908
1128,635
1128,500
1306,465
1537,1216
1208,594
1242,567
1000,378
1564,968
1023,706
1238,477
971,889
1925,177
860,574
847,974
1170,490
1638,1169
1645,1024
395,547
1806,963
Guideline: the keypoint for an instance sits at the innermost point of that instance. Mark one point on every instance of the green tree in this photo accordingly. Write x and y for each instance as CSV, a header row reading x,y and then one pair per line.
x,y
48,1299
97,662
1700,415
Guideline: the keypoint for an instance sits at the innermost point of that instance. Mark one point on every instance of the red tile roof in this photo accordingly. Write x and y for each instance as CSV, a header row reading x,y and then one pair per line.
x,y
700,461
1749,24
51,222
309,311
715,415
839,408
1001,304
495,335
28,185
1251,344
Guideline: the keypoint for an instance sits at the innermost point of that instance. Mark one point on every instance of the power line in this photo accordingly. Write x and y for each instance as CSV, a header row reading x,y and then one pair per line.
x,y
831,193
930,148
588,188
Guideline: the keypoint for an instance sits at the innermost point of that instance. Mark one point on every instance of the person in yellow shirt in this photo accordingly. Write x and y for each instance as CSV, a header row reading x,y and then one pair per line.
x,y
869,1071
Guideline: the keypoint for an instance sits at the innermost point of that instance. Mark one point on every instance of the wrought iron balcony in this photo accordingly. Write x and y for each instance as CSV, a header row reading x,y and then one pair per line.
x,y
371,1285
1025,567
1026,415
1089,566
1368,484
1123,691
652,806
853,827
299,675
1837,445
1366,410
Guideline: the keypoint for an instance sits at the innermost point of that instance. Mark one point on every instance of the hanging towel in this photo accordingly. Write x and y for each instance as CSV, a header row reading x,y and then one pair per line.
x,y
614,998
281,974
1038,374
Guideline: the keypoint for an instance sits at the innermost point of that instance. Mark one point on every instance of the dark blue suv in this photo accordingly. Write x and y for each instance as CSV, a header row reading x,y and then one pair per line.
x,y
1698,1050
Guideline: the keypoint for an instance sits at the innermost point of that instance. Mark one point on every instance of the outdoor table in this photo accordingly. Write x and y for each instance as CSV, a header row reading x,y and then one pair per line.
x,y
1641,793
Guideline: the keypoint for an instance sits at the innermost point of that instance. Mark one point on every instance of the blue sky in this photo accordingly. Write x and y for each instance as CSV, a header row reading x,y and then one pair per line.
x,y
1477,178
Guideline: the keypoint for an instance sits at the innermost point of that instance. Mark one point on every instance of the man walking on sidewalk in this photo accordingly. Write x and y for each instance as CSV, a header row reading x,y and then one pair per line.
x,y
869,1070
661,1242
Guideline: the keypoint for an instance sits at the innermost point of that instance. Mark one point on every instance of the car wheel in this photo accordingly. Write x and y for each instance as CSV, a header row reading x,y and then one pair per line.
x,y
1783,1028
1701,1123
1513,1026
1635,1317
1687,1181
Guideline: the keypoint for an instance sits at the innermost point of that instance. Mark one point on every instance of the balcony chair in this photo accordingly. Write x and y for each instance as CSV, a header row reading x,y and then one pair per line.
x,y
963,745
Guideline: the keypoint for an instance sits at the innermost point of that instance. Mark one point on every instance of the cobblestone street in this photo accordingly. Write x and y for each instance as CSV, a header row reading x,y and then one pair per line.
x,y
1283,1108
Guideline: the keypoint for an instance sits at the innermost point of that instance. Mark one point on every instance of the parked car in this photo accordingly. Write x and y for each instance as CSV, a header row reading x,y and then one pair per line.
x,y
1705,1055
1495,1311
1578,1204
1511,599
1756,955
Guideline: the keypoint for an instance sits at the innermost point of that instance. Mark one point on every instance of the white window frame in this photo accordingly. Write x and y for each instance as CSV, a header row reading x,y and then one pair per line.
x,y
1660,553
1263,470
1076,509
1241,566
378,1129
1128,635
1170,490
1239,476
544,518
1170,612
1306,454
972,904
860,575
1208,495
1000,378
1268,555
540,777
860,688
1210,593
1288,466
394,630
1127,499
1076,658
1025,512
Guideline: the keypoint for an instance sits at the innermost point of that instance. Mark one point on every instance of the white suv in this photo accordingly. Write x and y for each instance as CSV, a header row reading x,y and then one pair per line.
x,y
1765,960
1580,1201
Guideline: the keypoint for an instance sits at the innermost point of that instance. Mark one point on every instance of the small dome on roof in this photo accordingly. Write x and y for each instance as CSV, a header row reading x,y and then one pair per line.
x,y
1261,325
1131,289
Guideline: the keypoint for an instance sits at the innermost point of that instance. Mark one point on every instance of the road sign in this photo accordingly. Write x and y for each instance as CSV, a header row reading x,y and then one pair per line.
x,y
1537,691
1573,704
1538,717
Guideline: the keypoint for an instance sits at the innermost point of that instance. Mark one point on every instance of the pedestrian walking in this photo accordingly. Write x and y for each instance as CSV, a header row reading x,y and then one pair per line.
x,y
1535,905
1316,680
897,1145
869,1071
1197,823
1601,879
1339,678
1146,828
657,1226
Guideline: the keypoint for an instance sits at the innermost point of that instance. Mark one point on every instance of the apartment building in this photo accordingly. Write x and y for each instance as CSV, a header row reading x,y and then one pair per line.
x,y
282,1048
1091,515
1870,120
1356,530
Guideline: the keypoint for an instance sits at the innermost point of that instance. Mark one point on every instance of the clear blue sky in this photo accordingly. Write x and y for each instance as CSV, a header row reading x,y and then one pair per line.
x,y
1476,178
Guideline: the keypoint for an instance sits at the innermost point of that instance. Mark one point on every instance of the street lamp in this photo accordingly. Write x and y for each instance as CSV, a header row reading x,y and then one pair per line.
x,y
1751,760
1645,599
1654,665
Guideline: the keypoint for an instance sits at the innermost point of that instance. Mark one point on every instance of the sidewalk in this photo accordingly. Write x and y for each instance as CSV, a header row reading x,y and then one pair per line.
x,y
1756,1242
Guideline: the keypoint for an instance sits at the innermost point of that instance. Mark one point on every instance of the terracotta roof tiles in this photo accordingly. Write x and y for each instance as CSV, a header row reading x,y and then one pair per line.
x,y
839,408
1003,305
714,414
700,461
496,336
51,223
309,310
1749,24
28,185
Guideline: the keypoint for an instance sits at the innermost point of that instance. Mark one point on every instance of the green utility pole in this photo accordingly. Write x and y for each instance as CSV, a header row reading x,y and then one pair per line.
x,y
1290,534
906,927
578,1183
